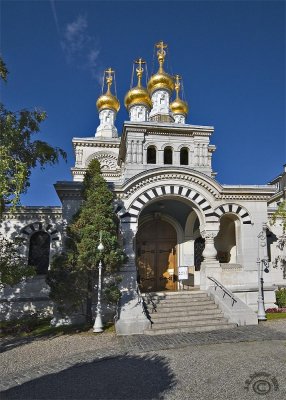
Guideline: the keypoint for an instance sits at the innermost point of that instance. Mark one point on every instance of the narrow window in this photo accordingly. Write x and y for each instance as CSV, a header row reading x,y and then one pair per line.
x,y
39,252
151,155
184,156
168,155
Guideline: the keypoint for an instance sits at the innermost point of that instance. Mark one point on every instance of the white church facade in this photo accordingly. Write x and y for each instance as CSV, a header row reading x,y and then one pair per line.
x,y
172,210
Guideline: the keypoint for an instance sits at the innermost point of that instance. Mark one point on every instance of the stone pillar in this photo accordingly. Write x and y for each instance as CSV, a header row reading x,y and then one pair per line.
x,y
210,266
131,318
209,252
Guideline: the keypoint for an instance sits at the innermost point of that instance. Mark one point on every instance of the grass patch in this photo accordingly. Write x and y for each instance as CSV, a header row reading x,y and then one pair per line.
x,y
278,315
34,326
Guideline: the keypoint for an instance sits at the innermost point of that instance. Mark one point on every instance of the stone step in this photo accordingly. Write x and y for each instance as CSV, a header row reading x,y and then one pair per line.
x,y
186,319
194,307
185,313
172,295
189,329
160,324
177,302
181,303
158,299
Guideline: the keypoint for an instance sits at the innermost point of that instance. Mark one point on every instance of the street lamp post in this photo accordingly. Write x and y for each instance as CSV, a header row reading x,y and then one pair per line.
x,y
98,326
262,262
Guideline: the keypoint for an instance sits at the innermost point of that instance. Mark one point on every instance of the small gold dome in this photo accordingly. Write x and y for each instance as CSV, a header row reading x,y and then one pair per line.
x,y
137,95
178,106
107,100
161,80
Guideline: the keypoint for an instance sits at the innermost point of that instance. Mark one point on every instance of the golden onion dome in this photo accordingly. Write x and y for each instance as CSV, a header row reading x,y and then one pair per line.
x,y
161,80
108,100
138,95
178,106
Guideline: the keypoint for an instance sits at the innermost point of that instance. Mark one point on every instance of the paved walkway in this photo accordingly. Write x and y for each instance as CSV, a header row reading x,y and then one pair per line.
x,y
28,363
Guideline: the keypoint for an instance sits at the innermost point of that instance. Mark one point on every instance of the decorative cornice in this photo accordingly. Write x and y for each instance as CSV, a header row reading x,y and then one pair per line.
x,y
93,142
32,212
105,173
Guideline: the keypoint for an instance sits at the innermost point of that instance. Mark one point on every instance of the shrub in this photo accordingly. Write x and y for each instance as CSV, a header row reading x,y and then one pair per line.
x,y
281,297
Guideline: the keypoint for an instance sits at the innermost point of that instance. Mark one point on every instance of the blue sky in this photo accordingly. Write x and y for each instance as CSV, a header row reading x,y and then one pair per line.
x,y
231,55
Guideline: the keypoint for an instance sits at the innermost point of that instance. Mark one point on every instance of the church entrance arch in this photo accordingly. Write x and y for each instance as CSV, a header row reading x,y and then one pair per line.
x,y
156,255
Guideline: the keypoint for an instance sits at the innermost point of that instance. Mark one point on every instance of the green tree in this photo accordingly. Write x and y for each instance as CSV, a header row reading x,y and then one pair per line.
x,y
19,153
77,268
13,267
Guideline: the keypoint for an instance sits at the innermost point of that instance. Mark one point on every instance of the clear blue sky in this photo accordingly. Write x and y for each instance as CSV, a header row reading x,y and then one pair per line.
x,y
231,55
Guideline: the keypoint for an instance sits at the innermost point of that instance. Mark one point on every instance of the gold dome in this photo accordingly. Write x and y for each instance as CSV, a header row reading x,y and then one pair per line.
x,y
161,80
178,106
108,100
138,94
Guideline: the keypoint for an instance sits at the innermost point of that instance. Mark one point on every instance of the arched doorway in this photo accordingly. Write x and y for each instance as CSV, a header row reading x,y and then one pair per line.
x,y
39,252
156,256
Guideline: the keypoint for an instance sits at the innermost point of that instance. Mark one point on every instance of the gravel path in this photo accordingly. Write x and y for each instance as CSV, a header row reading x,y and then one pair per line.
x,y
24,361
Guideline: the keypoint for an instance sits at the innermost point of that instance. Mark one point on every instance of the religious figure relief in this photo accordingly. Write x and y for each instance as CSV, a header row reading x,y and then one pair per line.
x,y
106,118
140,112
179,119
78,156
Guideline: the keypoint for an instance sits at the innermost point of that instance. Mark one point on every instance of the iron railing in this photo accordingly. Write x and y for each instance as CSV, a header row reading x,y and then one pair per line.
x,y
224,289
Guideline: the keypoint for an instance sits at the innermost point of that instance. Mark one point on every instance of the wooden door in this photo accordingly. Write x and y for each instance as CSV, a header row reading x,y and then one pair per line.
x,y
156,256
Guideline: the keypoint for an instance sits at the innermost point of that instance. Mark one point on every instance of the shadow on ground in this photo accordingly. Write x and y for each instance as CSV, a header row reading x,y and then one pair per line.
x,y
125,377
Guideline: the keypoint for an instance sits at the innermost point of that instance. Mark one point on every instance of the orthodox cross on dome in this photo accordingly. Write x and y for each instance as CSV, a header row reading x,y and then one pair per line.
x,y
109,78
139,70
177,84
161,53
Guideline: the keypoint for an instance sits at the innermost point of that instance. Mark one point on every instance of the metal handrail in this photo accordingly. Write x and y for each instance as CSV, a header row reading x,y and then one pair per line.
x,y
225,290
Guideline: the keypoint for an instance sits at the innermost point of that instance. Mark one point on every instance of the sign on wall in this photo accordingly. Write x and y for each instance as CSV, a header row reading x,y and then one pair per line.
x,y
183,272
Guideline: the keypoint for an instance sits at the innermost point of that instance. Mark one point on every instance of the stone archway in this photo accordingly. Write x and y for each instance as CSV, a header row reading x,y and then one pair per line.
x,y
156,255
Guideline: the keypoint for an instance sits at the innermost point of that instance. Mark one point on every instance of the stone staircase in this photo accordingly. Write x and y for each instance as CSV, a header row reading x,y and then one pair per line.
x,y
185,311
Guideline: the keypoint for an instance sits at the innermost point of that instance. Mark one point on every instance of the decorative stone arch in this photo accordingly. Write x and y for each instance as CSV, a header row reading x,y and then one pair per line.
x,y
206,211
160,175
190,147
29,229
172,145
148,144
236,209
107,160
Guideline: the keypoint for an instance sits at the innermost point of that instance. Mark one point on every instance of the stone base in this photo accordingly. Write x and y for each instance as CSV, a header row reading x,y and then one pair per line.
x,y
212,269
131,319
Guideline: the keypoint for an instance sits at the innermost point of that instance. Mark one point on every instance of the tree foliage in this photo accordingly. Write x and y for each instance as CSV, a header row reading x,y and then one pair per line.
x,y
76,270
19,152
13,267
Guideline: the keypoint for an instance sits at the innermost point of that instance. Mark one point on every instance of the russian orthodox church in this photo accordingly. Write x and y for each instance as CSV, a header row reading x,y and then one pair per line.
x,y
173,212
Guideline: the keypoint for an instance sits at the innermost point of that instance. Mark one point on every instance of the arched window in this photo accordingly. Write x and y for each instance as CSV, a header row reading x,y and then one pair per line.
x,y
39,252
227,241
151,155
168,155
184,156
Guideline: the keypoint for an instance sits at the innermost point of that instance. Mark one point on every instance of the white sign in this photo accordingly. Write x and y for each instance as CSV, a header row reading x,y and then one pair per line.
x,y
183,273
